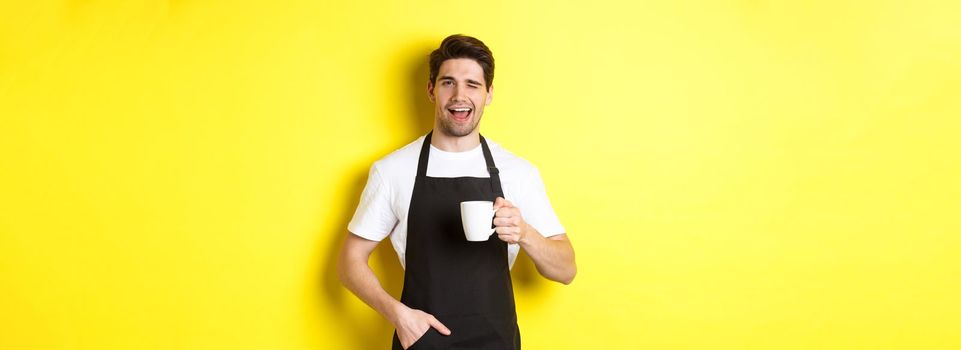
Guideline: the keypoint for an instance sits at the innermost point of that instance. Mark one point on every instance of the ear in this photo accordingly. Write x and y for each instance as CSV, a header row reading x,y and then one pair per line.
x,y
430,91
490,96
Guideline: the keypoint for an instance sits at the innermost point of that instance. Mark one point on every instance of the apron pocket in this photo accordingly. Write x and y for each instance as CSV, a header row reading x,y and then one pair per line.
x,y
474,332
426,341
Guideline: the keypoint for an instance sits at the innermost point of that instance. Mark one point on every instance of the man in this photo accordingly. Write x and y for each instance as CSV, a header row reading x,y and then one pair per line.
x,y
457,293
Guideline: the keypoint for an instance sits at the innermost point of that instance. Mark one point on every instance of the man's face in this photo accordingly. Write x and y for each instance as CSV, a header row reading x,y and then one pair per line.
x,y
459,94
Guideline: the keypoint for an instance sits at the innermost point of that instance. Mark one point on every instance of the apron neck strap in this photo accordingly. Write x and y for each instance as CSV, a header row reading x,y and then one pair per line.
x,y
488,158
492,169
424,152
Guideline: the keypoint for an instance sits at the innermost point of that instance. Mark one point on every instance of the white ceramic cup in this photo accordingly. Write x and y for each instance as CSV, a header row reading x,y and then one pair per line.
x,y
477,217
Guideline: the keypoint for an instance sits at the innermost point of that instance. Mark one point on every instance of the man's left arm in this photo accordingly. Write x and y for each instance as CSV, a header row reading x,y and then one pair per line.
x,y
553,256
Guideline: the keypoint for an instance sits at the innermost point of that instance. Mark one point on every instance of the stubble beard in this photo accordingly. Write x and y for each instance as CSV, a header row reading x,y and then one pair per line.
x,y
453,129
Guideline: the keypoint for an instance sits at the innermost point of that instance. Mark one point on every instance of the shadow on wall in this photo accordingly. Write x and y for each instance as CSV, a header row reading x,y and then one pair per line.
x,y
370,330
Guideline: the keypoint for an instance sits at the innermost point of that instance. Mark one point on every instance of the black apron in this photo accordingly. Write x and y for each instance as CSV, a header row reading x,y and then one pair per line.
x,y
465,285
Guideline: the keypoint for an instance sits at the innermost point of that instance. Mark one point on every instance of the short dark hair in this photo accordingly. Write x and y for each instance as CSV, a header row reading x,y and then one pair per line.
x,y
462,46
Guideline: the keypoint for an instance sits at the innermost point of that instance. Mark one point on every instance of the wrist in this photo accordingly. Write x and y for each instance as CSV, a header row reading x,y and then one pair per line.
x,y
528,235
394,311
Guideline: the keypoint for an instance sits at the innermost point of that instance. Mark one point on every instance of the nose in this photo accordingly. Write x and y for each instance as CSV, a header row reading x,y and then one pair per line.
x,y
457,96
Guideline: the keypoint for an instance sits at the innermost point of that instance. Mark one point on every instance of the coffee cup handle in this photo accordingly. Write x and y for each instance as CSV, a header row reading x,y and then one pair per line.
x,y
493,228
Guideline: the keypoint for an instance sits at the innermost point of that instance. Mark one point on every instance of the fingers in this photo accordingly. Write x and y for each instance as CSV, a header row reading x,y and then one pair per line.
x,y
507,230
511,235
507,212
507,221
438,326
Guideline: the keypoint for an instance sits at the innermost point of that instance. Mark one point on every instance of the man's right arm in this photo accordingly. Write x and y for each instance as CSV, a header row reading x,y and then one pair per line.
x,y
355,273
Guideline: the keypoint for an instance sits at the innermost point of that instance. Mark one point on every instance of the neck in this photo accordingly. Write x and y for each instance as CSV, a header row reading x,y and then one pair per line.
x,y
449,143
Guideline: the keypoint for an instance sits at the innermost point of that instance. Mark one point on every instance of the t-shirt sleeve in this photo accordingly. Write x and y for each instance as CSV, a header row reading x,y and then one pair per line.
x,y
374,218
536,207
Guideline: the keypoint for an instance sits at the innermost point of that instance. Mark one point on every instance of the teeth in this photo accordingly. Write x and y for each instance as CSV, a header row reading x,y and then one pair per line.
x,y
461,109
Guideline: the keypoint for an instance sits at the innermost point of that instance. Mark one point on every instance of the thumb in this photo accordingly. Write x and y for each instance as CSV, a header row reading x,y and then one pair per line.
x,y
500,202
438,326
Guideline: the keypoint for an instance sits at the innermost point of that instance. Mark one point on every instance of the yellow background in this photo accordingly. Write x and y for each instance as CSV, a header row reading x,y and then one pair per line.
x,y
733,174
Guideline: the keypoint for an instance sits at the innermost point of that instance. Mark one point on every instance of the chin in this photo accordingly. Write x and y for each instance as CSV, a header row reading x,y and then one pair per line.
x,y
458,132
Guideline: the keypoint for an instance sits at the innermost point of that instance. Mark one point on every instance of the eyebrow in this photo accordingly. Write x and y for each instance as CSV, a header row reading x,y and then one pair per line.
x,y
471,81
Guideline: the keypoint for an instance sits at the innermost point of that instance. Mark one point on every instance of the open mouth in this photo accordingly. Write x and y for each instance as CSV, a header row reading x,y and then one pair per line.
x,y
460,113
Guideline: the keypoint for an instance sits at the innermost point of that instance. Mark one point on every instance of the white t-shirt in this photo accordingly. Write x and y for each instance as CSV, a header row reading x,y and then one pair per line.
x,y
384,203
